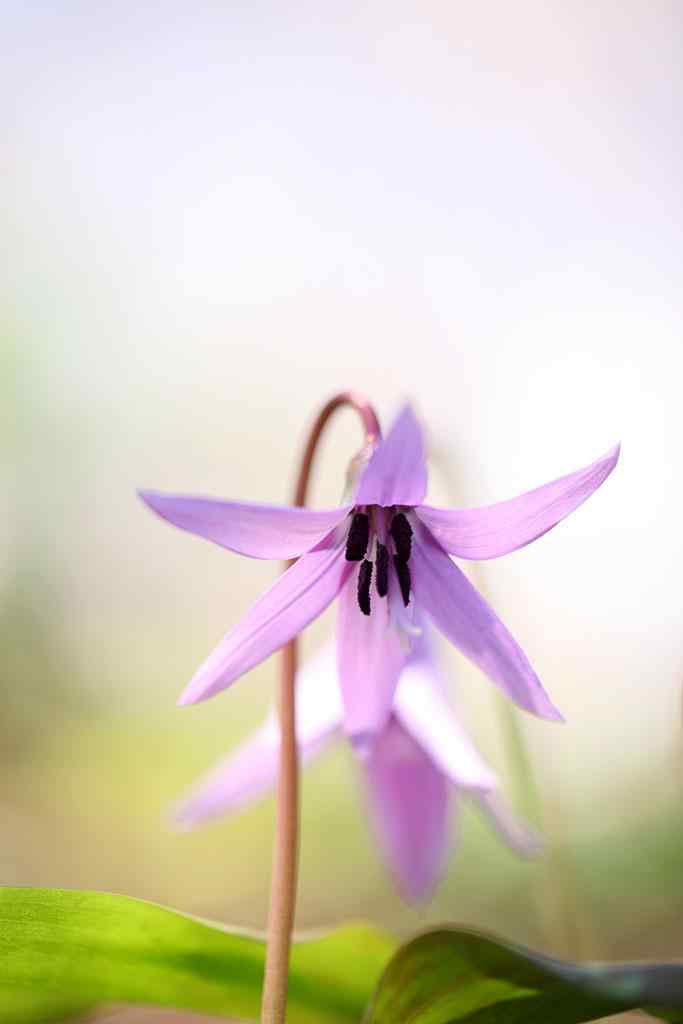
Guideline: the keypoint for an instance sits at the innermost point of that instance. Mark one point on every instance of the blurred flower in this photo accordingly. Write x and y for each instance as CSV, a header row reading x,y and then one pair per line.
x,y
415,774
410,543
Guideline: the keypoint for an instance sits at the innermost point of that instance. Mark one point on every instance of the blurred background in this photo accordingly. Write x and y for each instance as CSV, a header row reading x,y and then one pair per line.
x,y
213,217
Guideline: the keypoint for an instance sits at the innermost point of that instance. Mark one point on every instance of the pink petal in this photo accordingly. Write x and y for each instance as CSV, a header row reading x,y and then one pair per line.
x,y
294,600
521,839
466,620
261,531
251,770
396,473
409,806
370,656
494,530
240,778
424,712
243,777
318,700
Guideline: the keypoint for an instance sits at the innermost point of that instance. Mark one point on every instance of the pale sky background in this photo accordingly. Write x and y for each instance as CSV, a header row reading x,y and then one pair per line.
x,y
215,215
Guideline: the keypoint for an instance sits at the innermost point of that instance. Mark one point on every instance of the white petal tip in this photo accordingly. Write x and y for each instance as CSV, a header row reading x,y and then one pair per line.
x,y
524,841
548,713
180,824
610,459
187,697
148,497
179,818
407,409
198,689
417,895
532,846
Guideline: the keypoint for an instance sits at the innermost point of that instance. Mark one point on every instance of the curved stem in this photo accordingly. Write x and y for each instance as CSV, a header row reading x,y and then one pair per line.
x,y
285,852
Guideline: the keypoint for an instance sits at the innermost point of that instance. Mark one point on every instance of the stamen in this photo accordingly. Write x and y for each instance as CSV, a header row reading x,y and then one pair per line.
x,y
382,575
403,573
402,533
364,579
358,537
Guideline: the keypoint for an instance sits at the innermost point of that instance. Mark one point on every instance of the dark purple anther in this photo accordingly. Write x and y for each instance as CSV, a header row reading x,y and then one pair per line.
x,y
402,533
382,573
403,573
364,580
358,538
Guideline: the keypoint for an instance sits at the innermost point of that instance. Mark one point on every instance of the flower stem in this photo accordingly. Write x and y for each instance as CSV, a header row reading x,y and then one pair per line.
x,y
286,847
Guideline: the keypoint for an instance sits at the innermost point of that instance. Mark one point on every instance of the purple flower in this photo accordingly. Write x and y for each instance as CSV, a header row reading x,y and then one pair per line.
x,y
419,767
383,556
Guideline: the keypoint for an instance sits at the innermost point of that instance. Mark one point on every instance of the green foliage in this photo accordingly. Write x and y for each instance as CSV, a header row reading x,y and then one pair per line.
x,y
65,952
452,975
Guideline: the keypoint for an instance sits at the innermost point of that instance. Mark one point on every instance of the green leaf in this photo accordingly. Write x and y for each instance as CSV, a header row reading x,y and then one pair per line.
x,y
450,975
65,952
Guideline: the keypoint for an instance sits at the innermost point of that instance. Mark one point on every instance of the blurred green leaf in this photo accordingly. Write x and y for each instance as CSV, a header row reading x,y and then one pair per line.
x,y
64,952
451,975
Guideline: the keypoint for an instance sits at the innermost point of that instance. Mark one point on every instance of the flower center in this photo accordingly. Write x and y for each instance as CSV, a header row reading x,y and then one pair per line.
x,y
368,529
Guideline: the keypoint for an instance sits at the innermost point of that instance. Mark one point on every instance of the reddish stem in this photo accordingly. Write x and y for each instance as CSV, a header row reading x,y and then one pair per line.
x,y
286,848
